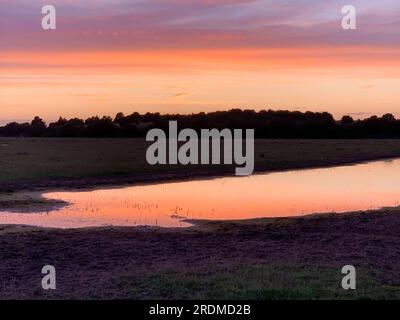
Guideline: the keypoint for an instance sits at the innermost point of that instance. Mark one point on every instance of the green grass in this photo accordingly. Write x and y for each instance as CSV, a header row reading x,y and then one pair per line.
x,y
35,159
256,282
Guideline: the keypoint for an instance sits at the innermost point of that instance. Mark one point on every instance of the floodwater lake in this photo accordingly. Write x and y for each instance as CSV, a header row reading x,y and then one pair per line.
x,y
363,186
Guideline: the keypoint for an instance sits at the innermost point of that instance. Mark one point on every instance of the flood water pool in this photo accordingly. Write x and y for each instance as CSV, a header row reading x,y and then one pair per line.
x,y
281,194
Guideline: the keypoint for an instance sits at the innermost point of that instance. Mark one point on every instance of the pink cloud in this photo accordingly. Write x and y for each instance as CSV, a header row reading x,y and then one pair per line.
x,y
155,24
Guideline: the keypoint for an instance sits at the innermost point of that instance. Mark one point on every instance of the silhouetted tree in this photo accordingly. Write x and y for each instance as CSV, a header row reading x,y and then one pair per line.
x,y
347,120
267,124
38,127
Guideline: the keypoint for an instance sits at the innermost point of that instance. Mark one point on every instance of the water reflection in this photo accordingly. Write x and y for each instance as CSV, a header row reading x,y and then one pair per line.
x,y
340,189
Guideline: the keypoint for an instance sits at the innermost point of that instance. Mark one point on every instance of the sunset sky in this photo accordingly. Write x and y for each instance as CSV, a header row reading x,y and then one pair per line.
x,y
197,55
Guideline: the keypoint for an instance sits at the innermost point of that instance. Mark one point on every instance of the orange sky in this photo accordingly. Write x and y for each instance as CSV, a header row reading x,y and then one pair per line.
x,y
100,66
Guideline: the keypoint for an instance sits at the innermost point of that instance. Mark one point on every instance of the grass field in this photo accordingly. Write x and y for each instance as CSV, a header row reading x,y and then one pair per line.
x,y
42,160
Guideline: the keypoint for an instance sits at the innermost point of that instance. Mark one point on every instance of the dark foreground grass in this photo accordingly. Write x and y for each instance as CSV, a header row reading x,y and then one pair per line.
x,y
287,258
276,282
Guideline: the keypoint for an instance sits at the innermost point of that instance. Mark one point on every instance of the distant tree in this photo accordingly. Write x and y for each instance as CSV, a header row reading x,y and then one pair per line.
x,y
119,118
388,117
15,129
38,127
267,124
104,127
347,120
61,121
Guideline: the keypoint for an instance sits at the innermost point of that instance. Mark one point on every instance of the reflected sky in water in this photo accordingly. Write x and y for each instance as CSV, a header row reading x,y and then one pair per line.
x,y
281,194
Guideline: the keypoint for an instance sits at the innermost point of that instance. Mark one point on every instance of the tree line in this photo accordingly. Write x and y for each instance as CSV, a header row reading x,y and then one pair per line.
x,y
267,124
